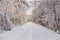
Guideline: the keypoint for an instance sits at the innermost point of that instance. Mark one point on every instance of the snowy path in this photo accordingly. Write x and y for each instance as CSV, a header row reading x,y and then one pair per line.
x,y
30,31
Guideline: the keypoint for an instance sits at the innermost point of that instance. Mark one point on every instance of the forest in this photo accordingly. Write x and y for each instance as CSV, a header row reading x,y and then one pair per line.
x,y
20,12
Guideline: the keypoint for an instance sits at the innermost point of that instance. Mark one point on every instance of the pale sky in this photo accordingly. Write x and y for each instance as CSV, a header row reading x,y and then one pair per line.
x,y
29,10
29,0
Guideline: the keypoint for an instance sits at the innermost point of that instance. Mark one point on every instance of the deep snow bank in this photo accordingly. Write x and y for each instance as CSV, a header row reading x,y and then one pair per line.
x,y
30,31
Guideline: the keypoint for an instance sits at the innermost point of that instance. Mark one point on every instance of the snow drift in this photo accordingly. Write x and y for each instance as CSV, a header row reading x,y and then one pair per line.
x,y
30,31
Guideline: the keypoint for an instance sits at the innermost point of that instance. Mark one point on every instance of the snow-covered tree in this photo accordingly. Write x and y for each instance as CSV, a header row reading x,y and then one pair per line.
x,y
12,12
47,15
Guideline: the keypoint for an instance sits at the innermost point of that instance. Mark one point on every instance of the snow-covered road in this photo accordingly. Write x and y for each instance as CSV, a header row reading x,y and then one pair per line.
x,y
30,31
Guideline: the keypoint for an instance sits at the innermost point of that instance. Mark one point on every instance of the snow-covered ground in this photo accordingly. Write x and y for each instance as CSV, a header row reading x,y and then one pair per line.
x,y
30,31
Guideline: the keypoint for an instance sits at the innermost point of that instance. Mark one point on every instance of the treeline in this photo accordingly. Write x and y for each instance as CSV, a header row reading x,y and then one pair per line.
x,y
47,13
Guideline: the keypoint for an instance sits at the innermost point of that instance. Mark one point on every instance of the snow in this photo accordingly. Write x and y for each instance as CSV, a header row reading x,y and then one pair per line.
x,y
30,31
